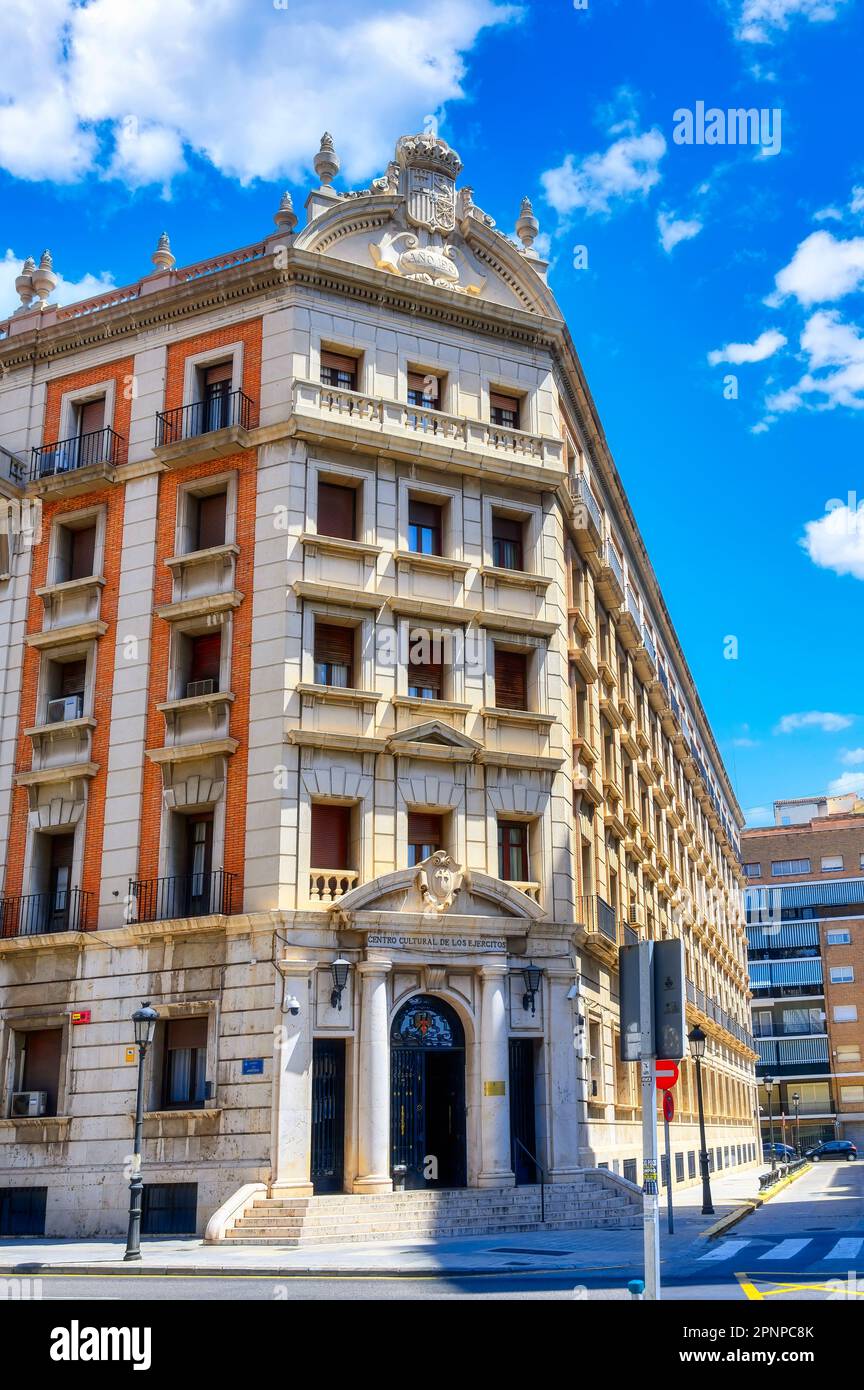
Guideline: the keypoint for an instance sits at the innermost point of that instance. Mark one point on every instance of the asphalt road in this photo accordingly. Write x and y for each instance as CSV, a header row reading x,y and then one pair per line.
x,y
806,1244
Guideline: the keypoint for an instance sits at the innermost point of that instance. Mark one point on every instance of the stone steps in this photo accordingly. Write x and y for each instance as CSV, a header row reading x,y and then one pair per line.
x,y
590,1202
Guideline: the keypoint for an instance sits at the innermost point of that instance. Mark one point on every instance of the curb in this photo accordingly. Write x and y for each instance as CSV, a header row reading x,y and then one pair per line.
x,y
310,1272
750,1205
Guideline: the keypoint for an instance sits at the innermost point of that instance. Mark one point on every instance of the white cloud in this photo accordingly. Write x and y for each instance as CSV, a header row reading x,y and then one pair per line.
x,y
836,349
847,782
851,757
766,345
814,719
108,86
835,541
67,292
676,229
856,204
758,815
759,20
745,742
627,169
822,268
829,214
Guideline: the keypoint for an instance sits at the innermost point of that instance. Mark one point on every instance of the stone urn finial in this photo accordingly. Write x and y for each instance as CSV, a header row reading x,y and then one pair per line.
x,y
162,257
285,217
43,278
327,162
527,227
24,284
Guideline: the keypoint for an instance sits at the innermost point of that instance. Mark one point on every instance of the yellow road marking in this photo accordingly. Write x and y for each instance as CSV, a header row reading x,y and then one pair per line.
x,y
786,1287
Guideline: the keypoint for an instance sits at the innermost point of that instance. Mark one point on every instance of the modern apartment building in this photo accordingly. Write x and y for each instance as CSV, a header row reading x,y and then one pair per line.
x,y
805,909
342,719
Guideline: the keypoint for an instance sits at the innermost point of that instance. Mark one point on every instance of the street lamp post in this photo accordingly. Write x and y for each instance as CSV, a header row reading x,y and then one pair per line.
x,y
796,1101
769,1088
144,1021
697,1041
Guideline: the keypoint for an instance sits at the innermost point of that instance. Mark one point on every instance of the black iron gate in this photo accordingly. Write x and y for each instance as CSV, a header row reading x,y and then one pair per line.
x,y
427,1094
522,1125
328,1114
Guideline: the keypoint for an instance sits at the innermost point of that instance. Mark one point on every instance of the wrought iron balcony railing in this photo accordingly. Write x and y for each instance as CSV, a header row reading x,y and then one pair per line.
x,y
203,417
182,895
67,455
34,914
11,467
597,916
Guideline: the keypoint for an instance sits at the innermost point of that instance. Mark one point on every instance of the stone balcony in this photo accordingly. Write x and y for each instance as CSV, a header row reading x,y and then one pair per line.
x,y
329,885
381,426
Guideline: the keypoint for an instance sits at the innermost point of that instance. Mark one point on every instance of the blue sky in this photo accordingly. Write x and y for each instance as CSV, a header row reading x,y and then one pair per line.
x,y
718,316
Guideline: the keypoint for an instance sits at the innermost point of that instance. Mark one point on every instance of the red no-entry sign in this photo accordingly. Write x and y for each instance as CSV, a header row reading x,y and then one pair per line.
x,y
668,1106
667,1075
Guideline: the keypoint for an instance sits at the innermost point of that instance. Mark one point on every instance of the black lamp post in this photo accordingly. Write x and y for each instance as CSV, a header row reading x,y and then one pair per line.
x,y
769,1088
532,975
144,1021
697,1041
796,1101
339,970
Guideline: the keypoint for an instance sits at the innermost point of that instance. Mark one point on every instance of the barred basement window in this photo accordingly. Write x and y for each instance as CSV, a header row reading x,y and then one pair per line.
x,y
691,1164
679,1167
169,1209
630,1169
22,1211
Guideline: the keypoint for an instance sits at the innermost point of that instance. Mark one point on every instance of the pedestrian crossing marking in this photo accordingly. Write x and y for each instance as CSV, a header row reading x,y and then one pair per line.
x,y
785,1250
723,1252
845,1250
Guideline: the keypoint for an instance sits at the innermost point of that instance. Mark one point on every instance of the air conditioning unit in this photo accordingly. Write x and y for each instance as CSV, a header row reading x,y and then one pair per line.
x,y
25,1103
200,688
635,915
66,707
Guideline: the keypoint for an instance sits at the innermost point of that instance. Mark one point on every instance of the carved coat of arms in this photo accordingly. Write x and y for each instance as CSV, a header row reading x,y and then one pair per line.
x,y
438,880
430,200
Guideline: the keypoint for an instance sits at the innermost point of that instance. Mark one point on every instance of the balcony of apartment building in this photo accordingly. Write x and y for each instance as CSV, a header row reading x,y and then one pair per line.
x,y
89,452
53,902
335,408
216,420
585,516
192,887
598,928
13,473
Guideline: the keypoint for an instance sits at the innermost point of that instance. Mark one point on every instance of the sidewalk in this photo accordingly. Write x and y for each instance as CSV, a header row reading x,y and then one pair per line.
x,y
577,1252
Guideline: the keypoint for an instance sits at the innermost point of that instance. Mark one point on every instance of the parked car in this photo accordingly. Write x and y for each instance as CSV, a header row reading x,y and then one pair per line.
x,y
784,1152
835,1148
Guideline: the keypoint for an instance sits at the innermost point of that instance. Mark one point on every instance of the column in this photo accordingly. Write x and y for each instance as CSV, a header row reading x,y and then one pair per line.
x,y
373,1109
566,1130
495,1170
292,1082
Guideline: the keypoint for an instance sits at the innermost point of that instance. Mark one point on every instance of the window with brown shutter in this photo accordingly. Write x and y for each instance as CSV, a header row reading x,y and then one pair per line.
x,y
424,527
425,835
91,416
338,370
205,657
425,679
185,1063
72,677
505,410
334,655
507,543
219,372
209,520
337,511
424,390
82,552
511,680
41,1063
331,836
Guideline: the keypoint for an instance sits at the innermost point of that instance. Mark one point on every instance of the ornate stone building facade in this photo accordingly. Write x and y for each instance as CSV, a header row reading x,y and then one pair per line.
x,y
342,718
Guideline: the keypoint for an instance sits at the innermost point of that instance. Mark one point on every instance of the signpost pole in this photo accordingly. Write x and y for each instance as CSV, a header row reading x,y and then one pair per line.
x,y
666,1117
650,1193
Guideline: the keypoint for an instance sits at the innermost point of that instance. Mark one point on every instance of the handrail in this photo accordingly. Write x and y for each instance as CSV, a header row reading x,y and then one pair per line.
x,y
540,1169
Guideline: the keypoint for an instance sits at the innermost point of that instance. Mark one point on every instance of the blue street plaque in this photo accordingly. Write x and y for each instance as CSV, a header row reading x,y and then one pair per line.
x,y
253,1066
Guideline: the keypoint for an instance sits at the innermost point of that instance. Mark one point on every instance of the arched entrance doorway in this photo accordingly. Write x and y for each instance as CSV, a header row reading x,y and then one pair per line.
x,y
427,1093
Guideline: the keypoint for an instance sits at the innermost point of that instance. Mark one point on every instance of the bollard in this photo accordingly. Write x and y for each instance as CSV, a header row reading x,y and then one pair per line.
x,y
636,1288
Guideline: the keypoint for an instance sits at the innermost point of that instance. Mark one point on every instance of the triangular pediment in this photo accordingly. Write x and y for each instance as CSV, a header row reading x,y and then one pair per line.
x,y
435,733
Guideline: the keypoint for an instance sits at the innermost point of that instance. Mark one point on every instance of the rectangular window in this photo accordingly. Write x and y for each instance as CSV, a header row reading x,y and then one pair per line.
x,y
424,389
169,1209
842,974
338,370
40,1064
630,1169
845,1013
75,552
691,1164
337,511
334,655
832,863
513,852
425,678
208,520
425,836
679,1167
505,410
848,1053
185,1063
849,1094
838,937
90,416
65,686
507,547
780,868
205,655
216,392
511,679
424,527
331,836
22,1211
752,870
